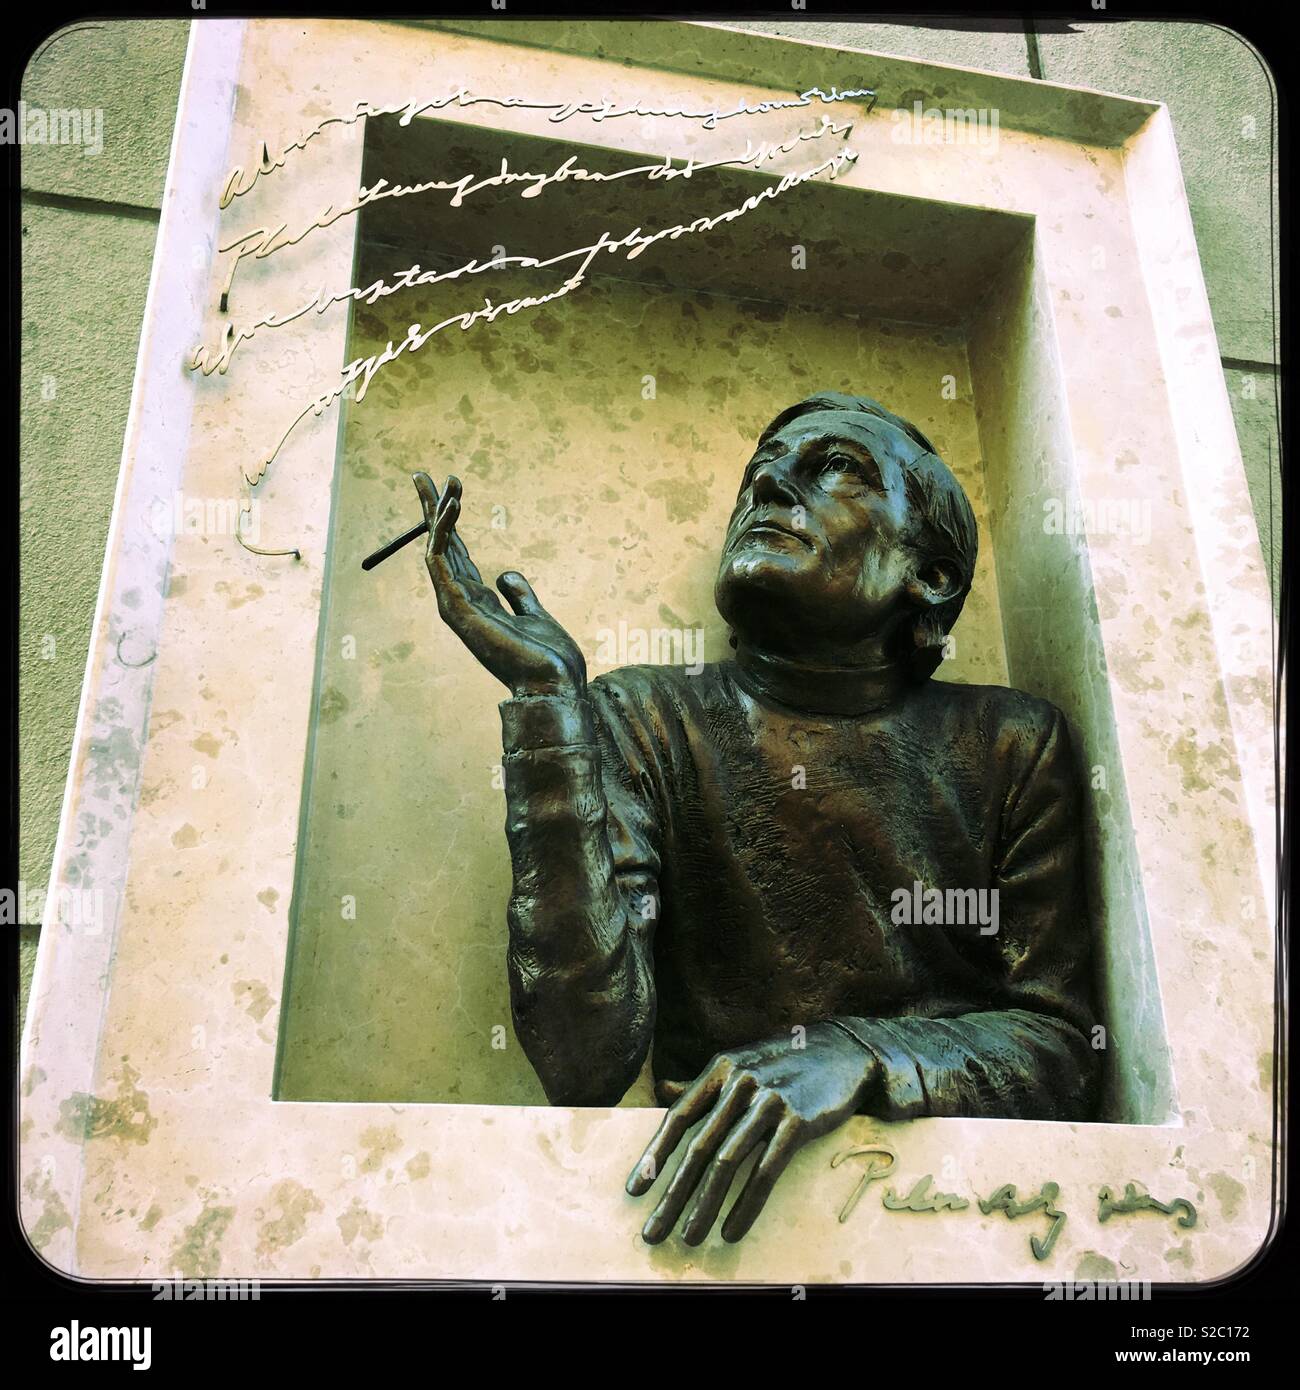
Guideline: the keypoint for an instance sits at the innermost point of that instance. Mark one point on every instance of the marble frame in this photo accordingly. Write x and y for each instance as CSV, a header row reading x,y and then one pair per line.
x,y
150,1145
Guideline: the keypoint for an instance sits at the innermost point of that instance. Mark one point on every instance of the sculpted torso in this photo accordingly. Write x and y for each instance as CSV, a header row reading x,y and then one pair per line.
x,y
734,870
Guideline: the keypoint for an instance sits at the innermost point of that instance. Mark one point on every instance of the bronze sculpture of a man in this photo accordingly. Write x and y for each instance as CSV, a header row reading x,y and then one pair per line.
x,y
719,868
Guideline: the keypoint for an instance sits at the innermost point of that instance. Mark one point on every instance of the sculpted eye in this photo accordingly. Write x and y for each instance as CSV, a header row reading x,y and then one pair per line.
x,y
837,462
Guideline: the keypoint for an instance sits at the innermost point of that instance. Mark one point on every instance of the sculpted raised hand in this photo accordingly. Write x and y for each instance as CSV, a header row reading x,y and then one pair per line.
x,y
522,646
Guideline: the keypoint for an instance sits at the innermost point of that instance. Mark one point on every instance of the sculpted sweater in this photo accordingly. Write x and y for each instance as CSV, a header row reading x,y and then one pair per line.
x,y
698,867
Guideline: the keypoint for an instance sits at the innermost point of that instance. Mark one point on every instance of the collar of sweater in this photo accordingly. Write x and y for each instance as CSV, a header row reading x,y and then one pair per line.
x,y
816,689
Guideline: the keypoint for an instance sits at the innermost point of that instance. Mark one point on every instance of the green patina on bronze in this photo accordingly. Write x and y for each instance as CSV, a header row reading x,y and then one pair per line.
x,y
1004,1199
918,1199
1133,1200
872,1173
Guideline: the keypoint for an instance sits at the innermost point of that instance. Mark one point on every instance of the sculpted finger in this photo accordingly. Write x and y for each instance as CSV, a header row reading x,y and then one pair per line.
x,y
519,594
689,1106
758,1122
732,1104
427,491
459,563
444,523
781,1148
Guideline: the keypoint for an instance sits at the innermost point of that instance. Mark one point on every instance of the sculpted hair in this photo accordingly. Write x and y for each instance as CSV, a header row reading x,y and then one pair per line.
x,y
946,523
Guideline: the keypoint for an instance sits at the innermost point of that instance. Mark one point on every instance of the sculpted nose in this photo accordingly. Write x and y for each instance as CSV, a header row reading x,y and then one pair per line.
x,y
772,484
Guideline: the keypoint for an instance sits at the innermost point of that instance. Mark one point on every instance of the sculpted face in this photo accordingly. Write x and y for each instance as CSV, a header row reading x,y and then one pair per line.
x,y
818,551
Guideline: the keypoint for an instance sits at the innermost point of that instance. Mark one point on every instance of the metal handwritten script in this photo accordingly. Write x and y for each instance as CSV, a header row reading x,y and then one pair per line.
x,y
262,242
1005,1199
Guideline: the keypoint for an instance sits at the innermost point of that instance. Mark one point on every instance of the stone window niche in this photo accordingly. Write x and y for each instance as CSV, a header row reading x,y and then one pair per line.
x,y
298,993
600,439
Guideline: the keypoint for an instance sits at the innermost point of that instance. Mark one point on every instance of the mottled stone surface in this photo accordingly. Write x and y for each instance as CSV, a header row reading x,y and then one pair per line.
x,y
1055,648
1221,98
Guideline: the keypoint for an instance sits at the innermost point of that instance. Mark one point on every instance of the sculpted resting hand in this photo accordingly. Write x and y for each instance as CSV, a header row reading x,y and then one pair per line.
x,y
721,862
778,1094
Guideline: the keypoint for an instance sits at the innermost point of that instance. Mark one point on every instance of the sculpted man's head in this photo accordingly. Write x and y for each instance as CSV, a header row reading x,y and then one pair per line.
x,y
851,542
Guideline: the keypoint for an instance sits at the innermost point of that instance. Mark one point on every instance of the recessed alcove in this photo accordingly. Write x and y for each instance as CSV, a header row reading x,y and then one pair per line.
x,y
600,438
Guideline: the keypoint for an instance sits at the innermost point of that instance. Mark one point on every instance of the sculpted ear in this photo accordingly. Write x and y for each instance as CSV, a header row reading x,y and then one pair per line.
x,y
934,582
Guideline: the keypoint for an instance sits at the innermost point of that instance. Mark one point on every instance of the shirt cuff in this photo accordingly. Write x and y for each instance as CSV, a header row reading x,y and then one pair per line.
x,y
901,1087
546,721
